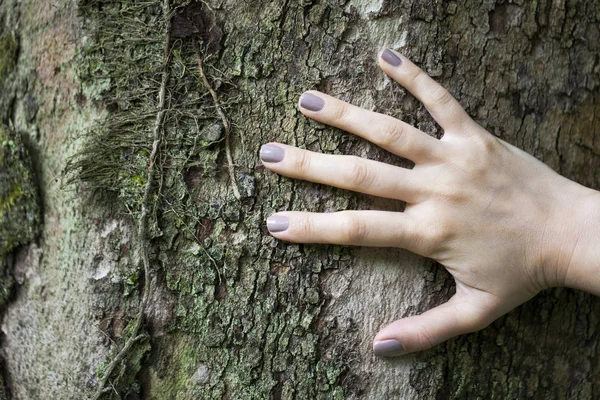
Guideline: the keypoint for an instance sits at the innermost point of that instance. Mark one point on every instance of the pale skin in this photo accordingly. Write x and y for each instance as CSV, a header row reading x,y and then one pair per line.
x,y
504,225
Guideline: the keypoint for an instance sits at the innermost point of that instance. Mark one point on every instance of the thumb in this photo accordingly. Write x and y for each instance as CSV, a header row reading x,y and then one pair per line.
x,y
458,316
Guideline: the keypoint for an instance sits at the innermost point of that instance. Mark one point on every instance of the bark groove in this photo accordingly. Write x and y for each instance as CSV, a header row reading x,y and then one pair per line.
x,y
229,312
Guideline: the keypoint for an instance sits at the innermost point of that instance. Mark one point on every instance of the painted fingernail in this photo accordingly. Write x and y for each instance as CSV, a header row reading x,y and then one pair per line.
x,y
391,58
388,348
311,102
277,223
272,153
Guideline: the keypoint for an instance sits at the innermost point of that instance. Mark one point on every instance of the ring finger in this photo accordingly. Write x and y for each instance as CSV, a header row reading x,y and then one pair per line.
x,y
358,228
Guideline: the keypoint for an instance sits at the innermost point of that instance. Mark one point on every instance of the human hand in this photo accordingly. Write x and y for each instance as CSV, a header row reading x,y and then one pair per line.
x,y
490,213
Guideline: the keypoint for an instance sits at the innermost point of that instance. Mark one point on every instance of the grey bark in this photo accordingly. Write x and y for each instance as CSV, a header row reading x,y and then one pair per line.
x,y
231,313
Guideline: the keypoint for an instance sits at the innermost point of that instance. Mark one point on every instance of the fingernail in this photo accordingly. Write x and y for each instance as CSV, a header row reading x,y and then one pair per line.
x,y
271,153
311,102
277,223
388,348
391,58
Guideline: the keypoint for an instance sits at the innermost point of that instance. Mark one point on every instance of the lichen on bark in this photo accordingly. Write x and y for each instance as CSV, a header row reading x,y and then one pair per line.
x,y
20,213
8,54
232,312
227,292
20,218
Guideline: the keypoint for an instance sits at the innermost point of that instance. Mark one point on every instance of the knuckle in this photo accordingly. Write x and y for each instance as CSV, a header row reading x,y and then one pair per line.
x,y
452,196
340,111
426,338
443,233
451,190
302,161
415,75
475,160
423,241
488,144
358,174
436,236
391,133
353,228
472,319
305,227
440,97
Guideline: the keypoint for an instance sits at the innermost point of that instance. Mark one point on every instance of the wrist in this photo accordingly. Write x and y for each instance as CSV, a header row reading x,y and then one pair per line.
x,y
575,254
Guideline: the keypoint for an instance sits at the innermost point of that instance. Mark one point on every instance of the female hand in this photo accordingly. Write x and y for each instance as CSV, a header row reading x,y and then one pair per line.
x,y
493,215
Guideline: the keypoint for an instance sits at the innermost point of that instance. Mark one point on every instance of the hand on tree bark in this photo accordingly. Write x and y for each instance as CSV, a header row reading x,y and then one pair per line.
x,y
503,224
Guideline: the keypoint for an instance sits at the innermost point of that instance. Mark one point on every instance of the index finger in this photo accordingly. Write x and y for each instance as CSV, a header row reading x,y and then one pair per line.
x,y
442,106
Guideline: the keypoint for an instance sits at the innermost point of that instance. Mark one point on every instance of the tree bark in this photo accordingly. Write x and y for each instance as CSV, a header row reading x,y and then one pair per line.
x,y
138,127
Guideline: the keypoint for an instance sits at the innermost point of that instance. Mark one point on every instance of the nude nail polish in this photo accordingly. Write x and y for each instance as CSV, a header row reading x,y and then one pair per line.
x,y
311,102
277,223
388,348
391,58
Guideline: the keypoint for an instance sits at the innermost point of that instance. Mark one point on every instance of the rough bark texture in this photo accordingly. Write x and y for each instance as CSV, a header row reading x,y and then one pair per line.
x,y
145,213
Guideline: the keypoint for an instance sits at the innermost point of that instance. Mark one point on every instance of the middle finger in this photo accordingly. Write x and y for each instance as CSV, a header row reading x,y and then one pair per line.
x,y
345,172
394,135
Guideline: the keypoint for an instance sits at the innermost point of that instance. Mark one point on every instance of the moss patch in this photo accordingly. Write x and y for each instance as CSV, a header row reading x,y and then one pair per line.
x,y
245,321
19,209
8,54
20,218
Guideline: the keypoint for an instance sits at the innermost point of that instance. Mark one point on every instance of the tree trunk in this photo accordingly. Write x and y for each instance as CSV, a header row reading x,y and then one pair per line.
x,y
153,276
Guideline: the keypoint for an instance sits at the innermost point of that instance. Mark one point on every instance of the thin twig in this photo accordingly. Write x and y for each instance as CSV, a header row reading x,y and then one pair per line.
x,y
226,126
143,219
110,368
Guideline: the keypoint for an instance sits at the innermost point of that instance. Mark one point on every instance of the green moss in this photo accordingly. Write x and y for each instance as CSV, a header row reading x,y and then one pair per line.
x,y
20,219
8,54
134,360
241,327
19,210
101,368
10,200
125,382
